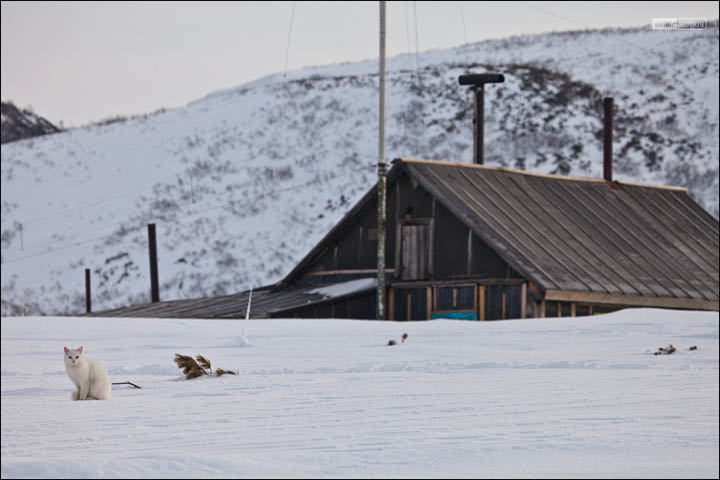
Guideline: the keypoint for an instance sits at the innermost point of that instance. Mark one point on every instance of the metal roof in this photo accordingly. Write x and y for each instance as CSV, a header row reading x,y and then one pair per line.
x,y
581,234
266,301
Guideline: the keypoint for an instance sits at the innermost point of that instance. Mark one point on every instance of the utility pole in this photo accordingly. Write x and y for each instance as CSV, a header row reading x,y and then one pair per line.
x,y
382,171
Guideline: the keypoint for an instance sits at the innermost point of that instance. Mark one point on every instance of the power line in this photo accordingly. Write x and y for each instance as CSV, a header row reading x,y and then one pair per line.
x,y
182,218
548,12
407,34
118,223
85,206
99,202
462,18
409,55
417,44
419,81
287,49
65,247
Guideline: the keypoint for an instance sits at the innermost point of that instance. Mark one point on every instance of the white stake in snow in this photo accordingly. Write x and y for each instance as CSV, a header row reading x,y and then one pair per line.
x,y
243,338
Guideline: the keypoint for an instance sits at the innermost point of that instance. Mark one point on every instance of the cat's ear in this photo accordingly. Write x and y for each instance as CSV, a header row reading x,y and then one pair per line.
x,y
79,350
66,349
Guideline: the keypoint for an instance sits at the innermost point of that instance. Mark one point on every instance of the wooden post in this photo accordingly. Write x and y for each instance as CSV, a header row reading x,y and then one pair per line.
x,y
391,309
469,253
152,246
88,302
523,305
481,313
409,307
429,303
475,302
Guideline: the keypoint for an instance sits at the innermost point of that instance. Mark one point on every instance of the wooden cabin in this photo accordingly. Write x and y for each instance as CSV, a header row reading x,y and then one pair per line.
x,y
488,243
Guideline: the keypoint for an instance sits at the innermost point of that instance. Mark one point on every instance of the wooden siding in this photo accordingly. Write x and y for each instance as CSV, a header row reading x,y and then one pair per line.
x,y
411,303
454,250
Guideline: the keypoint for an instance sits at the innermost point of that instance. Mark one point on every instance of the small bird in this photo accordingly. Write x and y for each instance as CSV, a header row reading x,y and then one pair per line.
x,y
404,337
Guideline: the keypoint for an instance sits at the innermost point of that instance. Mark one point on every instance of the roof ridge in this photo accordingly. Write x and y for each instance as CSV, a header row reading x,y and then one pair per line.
x,y
532,174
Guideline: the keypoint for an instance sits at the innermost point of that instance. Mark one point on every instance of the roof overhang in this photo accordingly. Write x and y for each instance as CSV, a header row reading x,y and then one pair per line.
x,y
569,178
631,300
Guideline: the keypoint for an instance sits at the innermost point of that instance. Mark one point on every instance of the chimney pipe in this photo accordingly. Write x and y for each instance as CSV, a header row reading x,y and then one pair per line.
x,y
479,124
607,139
152,246
477,81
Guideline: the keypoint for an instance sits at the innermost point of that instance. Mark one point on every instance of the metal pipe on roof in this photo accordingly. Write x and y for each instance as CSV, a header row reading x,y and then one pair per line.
x,y
607,139
478,81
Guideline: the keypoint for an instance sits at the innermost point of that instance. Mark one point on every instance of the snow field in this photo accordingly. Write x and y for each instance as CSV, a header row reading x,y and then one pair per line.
x,y
552,398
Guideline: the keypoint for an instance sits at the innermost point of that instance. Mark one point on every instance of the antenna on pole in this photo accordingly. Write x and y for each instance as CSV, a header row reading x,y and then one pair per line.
x,y
382,214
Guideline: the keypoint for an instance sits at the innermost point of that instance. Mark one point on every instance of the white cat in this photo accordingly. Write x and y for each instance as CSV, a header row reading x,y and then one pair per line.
x,y
90,377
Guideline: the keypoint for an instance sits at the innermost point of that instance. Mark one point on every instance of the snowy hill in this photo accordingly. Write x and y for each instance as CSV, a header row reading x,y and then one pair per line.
x,y
540,398
243,182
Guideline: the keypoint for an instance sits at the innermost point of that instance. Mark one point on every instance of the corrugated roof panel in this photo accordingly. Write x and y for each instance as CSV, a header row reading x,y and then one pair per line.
x,y
265,302
575,234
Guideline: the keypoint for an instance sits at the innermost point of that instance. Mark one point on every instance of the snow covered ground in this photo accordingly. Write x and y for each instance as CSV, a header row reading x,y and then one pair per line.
x,y
581,397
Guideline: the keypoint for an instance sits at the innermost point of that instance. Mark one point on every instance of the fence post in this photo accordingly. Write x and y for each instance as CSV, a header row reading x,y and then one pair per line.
x,y
152,245
88,301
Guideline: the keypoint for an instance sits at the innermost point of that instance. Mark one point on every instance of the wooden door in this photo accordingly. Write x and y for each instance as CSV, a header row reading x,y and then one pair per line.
x,y
415,251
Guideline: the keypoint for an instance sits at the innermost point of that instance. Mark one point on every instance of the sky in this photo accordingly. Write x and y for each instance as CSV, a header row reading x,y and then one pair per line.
x,y
79,62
